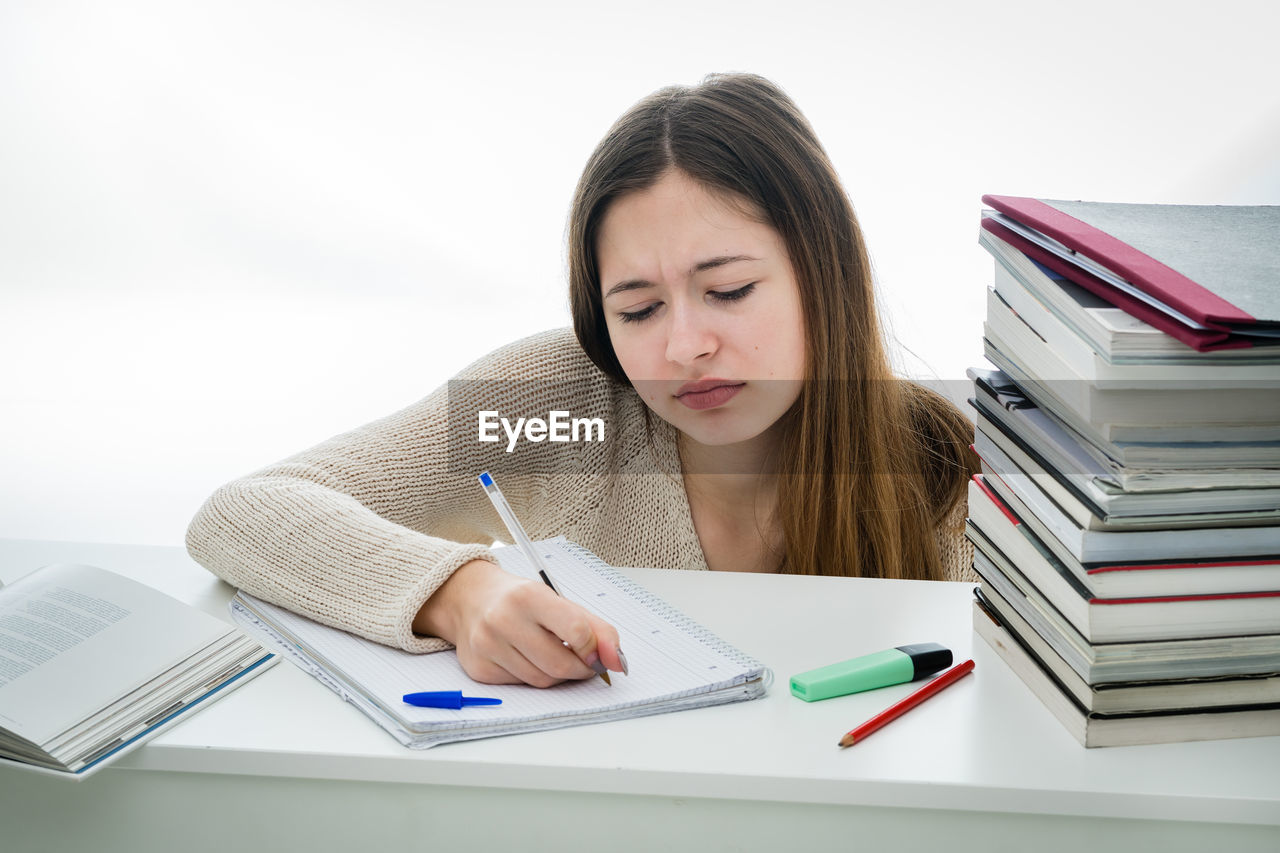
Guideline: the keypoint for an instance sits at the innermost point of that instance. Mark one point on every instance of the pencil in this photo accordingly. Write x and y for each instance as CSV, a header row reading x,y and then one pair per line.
x,y
525,544
943,681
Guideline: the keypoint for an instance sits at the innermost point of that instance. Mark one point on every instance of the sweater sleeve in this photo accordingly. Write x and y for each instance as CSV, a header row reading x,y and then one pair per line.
x,y
954,548
360,530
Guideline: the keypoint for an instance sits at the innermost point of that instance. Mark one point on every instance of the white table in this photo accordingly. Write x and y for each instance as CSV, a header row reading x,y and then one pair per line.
x,y
283,764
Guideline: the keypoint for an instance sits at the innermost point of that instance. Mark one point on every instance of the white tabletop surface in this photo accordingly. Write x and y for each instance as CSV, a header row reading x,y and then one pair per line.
x,y
985,744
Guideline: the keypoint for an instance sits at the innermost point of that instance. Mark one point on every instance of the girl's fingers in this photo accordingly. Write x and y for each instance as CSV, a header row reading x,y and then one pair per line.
x,y
608,644
593,640
524,632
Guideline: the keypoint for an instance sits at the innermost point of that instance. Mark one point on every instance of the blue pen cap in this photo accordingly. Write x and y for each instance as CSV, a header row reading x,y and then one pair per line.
x,y
486,480
447,699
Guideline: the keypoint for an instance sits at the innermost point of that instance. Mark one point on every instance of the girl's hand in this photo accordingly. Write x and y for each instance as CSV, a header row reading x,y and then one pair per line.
x,y
509,630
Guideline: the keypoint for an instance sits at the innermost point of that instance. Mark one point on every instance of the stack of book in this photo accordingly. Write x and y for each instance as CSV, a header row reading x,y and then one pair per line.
x,y
1127,522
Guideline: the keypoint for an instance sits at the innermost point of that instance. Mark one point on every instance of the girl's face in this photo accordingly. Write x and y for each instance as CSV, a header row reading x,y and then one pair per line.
x,y
703,310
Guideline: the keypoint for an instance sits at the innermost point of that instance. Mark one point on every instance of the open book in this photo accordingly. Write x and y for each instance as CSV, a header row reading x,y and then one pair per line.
x,y
92,664
675,663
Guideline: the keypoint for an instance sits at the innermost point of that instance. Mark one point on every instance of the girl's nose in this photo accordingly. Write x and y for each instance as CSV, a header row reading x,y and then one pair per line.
x,y
690,336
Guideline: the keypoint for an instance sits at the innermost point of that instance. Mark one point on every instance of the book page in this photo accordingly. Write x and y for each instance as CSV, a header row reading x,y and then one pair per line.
x,y
74,638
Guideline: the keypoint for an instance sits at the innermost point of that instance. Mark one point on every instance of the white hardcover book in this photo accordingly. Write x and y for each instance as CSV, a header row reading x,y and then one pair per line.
x,y
1124,467
1048,519
1135,697
1097,730
1186,413
1099,509
1112,620
1138,579
1113,663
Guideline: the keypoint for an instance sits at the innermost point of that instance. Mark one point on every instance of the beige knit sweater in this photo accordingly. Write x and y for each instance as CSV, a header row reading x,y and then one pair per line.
x,y
358,531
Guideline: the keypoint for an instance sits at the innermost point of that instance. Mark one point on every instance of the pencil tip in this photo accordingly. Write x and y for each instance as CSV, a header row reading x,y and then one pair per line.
x,y
605,676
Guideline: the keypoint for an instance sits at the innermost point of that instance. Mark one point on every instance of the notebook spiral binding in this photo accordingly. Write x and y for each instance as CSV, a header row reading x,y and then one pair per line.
x,y
638,593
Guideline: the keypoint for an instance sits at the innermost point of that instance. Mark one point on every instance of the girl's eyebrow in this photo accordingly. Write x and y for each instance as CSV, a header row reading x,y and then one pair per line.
x,y
624,286
701,266
712,263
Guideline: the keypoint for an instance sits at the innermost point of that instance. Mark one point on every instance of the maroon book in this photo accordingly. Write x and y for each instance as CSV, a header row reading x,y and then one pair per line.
x,y
1207,275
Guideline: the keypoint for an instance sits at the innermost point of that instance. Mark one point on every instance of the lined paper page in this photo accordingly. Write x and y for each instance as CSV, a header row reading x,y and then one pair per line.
x,y
671,658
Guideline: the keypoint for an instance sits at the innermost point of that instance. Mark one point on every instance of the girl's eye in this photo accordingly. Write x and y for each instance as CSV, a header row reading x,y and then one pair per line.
x,y
718,295
637,316
732,295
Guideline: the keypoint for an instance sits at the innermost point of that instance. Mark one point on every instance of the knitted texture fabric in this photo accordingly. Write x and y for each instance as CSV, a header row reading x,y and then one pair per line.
x,y
358,531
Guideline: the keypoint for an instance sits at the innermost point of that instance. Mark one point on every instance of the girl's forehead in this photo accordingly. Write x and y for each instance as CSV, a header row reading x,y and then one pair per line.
x,y
675,195
677,222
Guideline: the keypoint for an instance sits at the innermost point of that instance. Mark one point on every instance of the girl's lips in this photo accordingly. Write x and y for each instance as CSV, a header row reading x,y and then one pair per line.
x,y
708,394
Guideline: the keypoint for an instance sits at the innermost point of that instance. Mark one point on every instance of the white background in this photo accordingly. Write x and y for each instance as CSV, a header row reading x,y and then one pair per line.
x,y
229,230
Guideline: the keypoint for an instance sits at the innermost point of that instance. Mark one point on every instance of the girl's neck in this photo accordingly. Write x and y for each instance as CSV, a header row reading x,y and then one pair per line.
x,y
733,500
739,476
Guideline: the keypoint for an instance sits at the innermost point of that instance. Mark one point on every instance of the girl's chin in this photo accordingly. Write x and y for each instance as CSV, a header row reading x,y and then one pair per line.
x,y
727,432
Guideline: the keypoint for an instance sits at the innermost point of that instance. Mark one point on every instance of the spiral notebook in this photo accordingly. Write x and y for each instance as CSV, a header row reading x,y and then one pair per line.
x,y
675,663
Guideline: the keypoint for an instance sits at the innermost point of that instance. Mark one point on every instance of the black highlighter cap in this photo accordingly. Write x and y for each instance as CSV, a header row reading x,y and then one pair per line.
x,y
926,658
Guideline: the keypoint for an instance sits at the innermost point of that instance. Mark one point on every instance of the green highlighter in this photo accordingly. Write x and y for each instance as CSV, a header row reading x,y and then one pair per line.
x,y
892,666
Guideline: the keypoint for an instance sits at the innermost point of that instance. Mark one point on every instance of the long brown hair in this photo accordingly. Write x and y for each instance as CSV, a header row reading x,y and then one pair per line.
x,y
871,464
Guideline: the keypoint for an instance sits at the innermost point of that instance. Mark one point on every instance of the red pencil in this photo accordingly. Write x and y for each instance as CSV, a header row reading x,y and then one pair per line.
x,y
947,678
